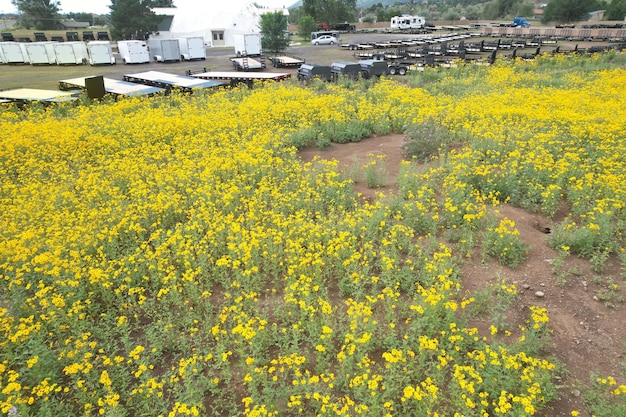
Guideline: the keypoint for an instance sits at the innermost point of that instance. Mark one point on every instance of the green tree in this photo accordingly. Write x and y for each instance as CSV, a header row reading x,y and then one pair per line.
x,y
38,14
130,18
564,11
330,11
306,25
274,34
616,10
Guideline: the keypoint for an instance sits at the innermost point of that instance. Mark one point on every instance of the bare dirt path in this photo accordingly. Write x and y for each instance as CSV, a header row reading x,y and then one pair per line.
x,y
586,319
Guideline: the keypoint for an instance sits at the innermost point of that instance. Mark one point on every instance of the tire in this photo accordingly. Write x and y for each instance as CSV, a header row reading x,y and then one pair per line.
x,y
392,70
332,43
402,71
316,43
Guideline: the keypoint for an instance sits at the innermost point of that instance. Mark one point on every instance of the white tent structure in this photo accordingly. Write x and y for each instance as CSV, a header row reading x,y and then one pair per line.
x,y
216,22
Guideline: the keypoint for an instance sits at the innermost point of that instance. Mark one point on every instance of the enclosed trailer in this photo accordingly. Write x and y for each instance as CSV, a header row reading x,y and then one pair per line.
x,y
12,53
39,53
100,53
248,44
192,48
71,53
164,50
133,52
408,22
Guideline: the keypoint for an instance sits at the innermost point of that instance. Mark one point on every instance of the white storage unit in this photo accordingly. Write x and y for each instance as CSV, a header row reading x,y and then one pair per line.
x,y
248,44
12,53
133,52
192,48
71,53
100,53
39,53
164,50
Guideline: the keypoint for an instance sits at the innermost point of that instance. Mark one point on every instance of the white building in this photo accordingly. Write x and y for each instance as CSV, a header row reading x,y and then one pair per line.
x,y
216,22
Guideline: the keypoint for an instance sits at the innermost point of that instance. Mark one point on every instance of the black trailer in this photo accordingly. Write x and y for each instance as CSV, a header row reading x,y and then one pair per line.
x,y
373,68
308,72
347,69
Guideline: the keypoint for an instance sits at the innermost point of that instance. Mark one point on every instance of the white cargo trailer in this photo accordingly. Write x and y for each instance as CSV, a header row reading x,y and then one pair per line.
x,y
133,52
39,53
100,53
192,48
247,44
12,53
164,50
71,53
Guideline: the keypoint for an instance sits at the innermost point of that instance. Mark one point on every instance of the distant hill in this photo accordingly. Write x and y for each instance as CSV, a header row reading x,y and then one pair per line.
x,y
360,3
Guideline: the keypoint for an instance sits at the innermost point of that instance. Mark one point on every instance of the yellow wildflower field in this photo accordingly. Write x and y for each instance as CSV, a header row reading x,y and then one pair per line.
x,y
173,256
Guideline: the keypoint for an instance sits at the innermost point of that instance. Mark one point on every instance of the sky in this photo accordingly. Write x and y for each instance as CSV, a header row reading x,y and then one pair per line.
x,y
102,6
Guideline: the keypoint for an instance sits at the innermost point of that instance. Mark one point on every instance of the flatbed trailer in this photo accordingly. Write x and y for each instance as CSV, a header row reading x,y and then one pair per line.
x,y
234,77
170,81
286,61
114,87
247,63
25,95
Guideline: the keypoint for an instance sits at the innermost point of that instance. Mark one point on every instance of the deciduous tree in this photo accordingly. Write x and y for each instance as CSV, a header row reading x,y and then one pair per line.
x,y
274,34
330,11
131,17
38,14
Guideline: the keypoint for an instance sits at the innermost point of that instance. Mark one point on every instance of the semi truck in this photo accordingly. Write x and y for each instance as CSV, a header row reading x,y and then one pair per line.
x,y
133,52
192,48
164,50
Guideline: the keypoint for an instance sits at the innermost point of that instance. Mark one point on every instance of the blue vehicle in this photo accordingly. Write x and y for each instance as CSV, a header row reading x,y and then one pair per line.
x,y
520,22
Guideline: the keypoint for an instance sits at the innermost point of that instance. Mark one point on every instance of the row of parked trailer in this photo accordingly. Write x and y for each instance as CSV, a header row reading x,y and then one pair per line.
x,y
101,52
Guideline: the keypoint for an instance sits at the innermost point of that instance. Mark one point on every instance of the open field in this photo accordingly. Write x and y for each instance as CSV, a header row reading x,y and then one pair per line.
x,y
278,250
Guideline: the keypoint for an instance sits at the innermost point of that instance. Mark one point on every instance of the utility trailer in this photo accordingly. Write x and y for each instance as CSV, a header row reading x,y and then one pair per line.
x,y
100,53
170,81
71,53
373,68
348,69
39,53
192,48
12,53
236,78
133,52
248,44
309,72
21,96
164,50
286,61
247,63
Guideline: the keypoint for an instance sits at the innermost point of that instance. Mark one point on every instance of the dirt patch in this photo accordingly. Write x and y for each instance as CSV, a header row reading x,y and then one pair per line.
x,y
588,337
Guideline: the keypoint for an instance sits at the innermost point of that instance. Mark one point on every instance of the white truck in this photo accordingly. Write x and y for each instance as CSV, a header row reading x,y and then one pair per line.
x,y
12,53
71,53
192,48
133,52
248,44
100,53
164,50
39,53
408,22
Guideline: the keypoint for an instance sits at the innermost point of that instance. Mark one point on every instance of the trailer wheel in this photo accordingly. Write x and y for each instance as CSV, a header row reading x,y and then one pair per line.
x,y
392,70
402,71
